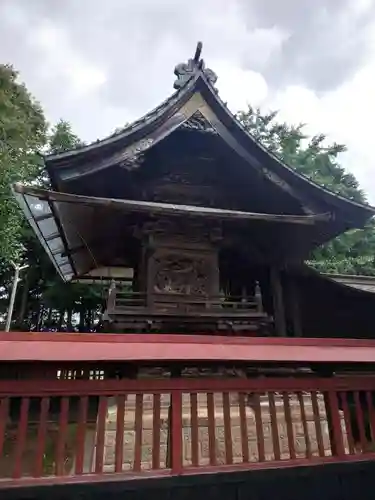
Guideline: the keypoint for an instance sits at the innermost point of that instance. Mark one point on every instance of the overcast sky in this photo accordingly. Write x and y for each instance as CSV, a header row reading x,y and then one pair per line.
x,y
100,64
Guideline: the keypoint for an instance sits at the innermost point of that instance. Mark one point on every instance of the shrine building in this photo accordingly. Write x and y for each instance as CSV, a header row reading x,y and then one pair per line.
x,y
224,367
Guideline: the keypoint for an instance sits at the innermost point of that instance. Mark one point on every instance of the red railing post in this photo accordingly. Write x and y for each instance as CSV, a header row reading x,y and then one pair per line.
x,y
176,432
333,417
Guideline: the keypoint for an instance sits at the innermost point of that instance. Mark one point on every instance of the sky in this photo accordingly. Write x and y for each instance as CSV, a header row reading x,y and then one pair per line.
x,y
100,64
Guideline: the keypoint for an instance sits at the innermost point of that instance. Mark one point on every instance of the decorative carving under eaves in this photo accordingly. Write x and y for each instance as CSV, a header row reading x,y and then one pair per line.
x,y
131,157
132,163
182,231
198,122
187,183
277,180
286,187
199,196
176,178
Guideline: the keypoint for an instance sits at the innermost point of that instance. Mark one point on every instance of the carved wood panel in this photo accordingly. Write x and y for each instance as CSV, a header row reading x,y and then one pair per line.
x,y
182,274
180,258
191,181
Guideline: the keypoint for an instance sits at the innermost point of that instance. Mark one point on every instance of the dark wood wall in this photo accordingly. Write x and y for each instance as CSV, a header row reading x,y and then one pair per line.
x,y
329,309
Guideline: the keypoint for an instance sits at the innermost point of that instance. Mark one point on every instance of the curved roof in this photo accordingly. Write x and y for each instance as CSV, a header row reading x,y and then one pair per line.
x,y
196,95
361,283
354,283
195,106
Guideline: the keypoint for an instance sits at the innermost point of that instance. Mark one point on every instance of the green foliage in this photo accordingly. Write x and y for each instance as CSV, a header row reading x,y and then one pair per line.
x,y
43,300
51,303
311,157
22,136
62,138
352,252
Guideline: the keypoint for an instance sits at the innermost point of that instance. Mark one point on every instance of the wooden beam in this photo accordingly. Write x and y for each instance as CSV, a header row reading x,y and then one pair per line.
x,y
278,302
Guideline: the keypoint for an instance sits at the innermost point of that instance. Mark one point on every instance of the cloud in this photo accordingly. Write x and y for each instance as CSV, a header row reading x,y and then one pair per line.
x,y
325,41
345,114
101,64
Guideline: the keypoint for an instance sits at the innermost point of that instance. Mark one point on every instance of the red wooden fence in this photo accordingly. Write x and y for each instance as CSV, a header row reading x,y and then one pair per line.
x,y
67,430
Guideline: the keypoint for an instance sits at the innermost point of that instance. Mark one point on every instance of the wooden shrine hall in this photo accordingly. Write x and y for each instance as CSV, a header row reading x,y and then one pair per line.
x,y
191,220
220,350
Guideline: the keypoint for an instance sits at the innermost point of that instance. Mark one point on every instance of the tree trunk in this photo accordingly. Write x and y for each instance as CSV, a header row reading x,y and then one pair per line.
x,y
69,321
39,319
61,320
24,300
88,320
81,319
49,317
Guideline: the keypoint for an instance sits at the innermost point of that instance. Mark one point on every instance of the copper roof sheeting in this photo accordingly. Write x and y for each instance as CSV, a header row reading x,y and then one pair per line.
x,y
62,220
362,283
44,221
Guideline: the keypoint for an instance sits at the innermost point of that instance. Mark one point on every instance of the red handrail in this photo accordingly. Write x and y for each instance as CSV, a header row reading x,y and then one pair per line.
x,y
65,347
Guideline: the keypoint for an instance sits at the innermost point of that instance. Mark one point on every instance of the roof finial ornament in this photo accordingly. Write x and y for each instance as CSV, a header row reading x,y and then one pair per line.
x,y
185,71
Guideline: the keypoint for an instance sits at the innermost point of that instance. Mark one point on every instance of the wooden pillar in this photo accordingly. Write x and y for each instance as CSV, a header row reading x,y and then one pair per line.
x,y
149,270
278,302
295,311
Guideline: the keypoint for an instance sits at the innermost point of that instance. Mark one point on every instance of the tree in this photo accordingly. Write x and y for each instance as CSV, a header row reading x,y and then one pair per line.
x,y
352,252
22,137
62,138
44,300
312,157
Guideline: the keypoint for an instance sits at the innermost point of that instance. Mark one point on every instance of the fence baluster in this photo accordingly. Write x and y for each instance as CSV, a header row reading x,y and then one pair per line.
x,y
318,426
21,438
156,432
243,424
176,431
289,426
194,429
333,414
4,409
348,424
259,428
41,436
274,429
304,425
61,436
138,432
120,421
360,423
81,434
370,405
211,428
227,429
100,430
